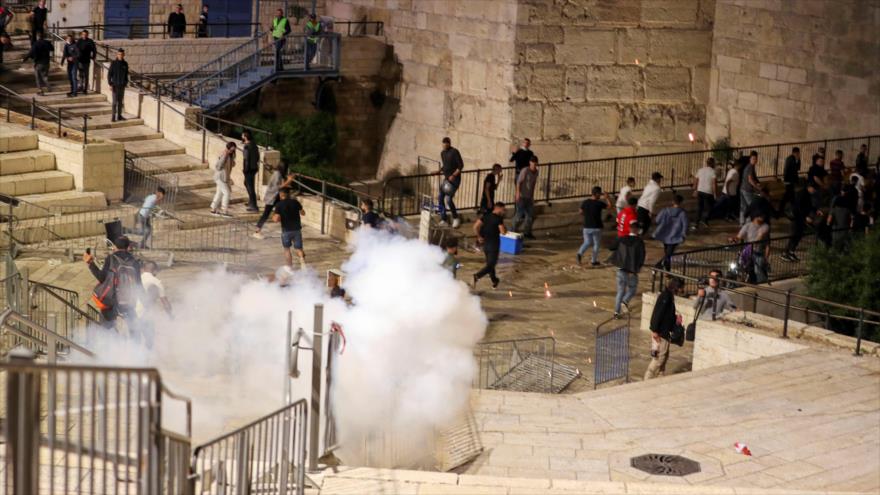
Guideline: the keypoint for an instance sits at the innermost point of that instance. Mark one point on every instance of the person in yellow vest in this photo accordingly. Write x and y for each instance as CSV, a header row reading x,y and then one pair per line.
x,y
313,28
280,30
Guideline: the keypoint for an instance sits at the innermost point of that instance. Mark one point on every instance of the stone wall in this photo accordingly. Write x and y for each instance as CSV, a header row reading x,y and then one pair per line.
x,y
457,76
788,71
158,56
598,79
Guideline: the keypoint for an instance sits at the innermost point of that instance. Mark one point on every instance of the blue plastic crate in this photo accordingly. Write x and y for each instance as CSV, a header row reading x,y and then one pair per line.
x,y
511,243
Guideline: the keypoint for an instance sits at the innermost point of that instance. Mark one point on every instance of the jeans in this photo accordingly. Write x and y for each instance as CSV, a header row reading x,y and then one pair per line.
x,y
644,217
668,251
745,200
41,74
798,225
249,184
311,48
627,283
117,103
525,216
443,197
761,275
267,210
72,77
705,204
491,253
279,51
591,236
221,196
145,228
83,69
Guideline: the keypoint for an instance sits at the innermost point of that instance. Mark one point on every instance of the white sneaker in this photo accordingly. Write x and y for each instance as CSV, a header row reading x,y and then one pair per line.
x,y
258,235
456,223
443,223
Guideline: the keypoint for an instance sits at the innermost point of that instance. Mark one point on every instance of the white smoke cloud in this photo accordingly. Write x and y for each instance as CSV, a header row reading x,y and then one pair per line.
x,y
406,369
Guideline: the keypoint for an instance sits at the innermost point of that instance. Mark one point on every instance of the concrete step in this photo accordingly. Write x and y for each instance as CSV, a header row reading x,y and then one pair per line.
x,y
60,99
48,181
195,179
201,198
23,162
90,109
128,133
97,122
153,147
34,204
178,163
15,140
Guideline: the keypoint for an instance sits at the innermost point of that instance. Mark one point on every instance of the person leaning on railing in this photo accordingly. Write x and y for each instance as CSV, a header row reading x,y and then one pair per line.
x,y
313,28
711,299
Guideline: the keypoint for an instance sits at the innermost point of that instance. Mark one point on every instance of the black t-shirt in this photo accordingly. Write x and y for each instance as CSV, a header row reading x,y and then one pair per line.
x,y
592,209
489,230
40,16
289,209
489,184
816,171
371,218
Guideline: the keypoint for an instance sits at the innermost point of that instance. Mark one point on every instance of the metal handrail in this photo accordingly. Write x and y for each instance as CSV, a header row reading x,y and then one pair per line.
x,y
50,289
203,67
51,338
241,429
103,29
236,124
185,400
57,113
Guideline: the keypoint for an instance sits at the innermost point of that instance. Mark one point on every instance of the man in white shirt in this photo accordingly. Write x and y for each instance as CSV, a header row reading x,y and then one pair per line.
x,y
705,190
726,206
647,201
623,195
154,289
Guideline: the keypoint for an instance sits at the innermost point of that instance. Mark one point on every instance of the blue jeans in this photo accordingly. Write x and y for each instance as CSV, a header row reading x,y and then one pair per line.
x,y
525,216
626,288
279,53
311,48
443,197
72,76
591,236
745,200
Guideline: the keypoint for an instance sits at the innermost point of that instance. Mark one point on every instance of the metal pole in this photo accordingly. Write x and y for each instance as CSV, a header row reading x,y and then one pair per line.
x,y
51,342
315,409
59,122
23,425
85,129
158,112
477,199
614,176
547,184
33,110
859,332
787,310
323,203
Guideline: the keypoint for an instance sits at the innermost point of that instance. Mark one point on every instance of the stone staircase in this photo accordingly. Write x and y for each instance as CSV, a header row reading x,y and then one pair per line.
x,y
195,178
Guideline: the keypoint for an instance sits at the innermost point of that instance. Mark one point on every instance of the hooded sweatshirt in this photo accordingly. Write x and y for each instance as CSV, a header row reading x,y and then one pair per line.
x,y
672,225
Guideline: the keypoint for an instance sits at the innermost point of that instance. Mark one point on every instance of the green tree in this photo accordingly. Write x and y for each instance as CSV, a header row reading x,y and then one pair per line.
x,y
848,277
307,144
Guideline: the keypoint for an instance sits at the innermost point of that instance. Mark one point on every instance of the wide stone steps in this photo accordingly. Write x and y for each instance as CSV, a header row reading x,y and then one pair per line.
x,y
60,99
153,147
128,133
48,181
104,121
37,204
80,109
177,163
17,141
25,162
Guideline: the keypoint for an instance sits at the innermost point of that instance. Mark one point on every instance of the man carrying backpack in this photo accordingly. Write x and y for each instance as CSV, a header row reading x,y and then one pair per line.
x,y
119,282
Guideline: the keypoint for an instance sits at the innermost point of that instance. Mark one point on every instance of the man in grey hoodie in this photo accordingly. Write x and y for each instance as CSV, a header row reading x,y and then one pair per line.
x,y
672,226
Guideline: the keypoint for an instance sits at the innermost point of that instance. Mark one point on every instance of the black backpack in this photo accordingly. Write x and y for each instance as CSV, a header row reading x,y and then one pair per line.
x,y
119,287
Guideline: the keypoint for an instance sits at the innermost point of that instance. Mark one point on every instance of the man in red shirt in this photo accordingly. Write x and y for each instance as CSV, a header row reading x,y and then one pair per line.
x,y
627,217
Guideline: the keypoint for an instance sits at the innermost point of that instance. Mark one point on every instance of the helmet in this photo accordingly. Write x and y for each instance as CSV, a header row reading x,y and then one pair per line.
x,y
447,187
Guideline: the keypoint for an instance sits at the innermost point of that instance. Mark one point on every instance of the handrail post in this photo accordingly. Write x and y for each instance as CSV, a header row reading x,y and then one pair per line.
x,y
158,112
33,111
477,197
85,129
323,204
547,184
315,406
787,310
23,440
858,352
614,176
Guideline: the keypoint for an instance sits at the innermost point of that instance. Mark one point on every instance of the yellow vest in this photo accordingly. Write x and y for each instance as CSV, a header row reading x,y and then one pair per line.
x,y
278,27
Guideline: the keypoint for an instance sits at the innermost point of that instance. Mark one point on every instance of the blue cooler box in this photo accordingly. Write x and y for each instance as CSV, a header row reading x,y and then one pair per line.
x,y
511,243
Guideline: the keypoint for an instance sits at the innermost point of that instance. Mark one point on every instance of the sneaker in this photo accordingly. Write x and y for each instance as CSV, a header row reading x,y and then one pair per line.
x,y
692,228
258,235
626,305
595,263
793,256
215,213
225,214
579,258
495,283
120,118
252,208
474,284
443,223
456,223
616,316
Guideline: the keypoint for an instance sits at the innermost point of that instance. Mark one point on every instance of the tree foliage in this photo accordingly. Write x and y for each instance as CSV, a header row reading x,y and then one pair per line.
x,y
848,277
307,144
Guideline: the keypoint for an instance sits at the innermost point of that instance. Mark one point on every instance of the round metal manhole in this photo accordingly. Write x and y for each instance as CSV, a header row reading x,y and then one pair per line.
x,y
665,465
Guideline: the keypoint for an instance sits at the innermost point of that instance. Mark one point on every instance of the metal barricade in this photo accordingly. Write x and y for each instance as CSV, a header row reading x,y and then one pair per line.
x,y
522,365
611,361
267,455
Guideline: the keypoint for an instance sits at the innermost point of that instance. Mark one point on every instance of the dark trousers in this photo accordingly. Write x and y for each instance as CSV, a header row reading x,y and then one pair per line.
x,y
249,184
117,103
486,203
787,198
72,77
35,30
491,252
177,34
279,51
705,203
798,224
311,48
666,261
267,210
644,217
83,69
110,315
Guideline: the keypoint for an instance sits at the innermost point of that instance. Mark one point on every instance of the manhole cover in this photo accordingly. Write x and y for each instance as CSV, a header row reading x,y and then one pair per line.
x,y
665,465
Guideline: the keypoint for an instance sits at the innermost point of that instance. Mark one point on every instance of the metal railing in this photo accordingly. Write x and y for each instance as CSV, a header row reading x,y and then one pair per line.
x,y
142,177
57,309
522,365
37,338
197,238
141,30
575,179
87,429
790,301
24,110
358,28
334,194
267,455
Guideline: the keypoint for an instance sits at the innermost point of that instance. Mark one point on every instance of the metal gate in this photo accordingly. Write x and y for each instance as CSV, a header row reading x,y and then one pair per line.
x,y
612,351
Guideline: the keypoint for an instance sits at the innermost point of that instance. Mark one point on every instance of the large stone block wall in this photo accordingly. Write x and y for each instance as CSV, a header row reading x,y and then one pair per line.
x,y
457,76
794,70
158,56
597,79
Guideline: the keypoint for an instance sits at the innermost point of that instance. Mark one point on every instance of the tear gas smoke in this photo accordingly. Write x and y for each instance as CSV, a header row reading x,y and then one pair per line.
x,y
406,370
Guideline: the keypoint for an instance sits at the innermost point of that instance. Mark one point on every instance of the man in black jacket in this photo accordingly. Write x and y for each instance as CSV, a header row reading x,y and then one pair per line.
x,y
520,156
38,21
41,54
117,77
663,320
250,169
177,22
87,52
451,165
119,257
629,259
790,176
804,209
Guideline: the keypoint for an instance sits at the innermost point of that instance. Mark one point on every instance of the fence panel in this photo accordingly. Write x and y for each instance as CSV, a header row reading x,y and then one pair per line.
x,y
523,365
612,352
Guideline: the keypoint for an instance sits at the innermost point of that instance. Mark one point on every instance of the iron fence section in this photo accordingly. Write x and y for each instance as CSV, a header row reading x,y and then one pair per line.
x,y
523,365
267,455
142,177
575,179
84,429
142,30
611,361
24,110
197,238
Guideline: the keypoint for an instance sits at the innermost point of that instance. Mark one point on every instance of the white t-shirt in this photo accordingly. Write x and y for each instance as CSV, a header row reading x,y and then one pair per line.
x,y
153,287
621,198
706,180
730,182
649,196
